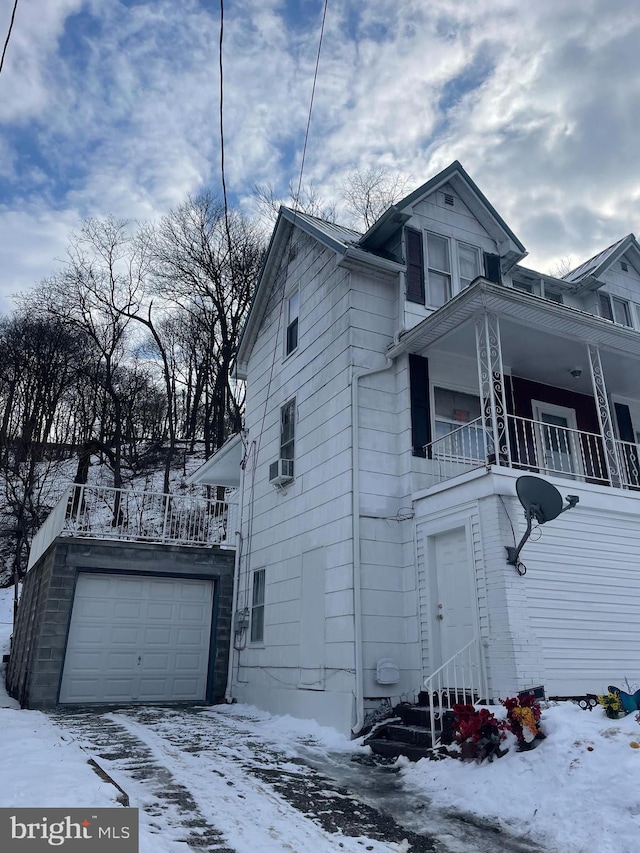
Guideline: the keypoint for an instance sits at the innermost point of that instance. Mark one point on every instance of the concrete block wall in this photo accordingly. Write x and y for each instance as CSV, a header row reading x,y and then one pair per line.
x,y
40,634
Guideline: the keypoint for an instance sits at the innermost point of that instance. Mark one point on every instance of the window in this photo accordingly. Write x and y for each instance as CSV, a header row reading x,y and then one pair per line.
x,y
438,270
293,304
257,607
528,287
553,296
458,413
468,264
287,430
612,308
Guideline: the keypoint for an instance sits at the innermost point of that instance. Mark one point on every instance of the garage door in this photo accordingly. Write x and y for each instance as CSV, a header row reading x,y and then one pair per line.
x,y
137,639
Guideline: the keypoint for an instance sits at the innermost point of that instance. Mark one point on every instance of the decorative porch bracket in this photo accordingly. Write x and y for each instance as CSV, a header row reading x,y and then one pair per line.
x,y
491,382
604,416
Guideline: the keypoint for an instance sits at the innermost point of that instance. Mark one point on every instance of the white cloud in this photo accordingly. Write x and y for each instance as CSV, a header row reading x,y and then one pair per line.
x,y
540,102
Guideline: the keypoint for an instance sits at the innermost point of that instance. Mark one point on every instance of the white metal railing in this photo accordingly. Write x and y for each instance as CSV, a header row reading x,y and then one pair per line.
x,y
460,680
533,446
559,450
101,512
461,450
628,454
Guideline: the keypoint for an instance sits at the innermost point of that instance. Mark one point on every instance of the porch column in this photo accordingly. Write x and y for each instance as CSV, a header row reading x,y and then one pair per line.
x,y
604,416
491,382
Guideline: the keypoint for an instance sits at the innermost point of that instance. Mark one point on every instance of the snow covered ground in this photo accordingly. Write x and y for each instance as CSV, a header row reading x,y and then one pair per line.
x,y
578,791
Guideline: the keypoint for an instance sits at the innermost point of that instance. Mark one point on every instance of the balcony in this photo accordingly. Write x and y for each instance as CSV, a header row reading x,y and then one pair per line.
x,y
99,512
534,446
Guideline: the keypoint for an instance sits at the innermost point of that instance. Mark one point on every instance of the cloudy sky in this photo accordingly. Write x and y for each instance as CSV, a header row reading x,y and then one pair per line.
x,y
111,106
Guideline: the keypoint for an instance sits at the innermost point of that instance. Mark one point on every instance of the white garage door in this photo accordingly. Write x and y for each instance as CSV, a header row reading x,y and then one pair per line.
x,y
137,639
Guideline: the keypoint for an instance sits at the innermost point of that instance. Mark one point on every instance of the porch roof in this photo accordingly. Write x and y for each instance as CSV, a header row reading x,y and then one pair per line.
x,y
525,309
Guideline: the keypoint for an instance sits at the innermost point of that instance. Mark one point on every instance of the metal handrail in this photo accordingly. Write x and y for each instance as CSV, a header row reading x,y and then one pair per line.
x,y
455,679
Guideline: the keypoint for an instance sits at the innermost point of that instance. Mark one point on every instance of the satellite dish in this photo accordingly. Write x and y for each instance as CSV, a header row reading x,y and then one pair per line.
x,y
539,498
542,502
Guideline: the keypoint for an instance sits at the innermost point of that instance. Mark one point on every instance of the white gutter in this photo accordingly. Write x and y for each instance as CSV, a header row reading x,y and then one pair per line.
x,y
356,376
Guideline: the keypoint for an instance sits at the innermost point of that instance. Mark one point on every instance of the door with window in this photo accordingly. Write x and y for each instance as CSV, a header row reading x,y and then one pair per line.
x,y
557,440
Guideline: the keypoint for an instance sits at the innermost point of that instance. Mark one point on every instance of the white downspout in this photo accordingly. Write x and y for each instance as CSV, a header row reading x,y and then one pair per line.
x,y
228,694
355,514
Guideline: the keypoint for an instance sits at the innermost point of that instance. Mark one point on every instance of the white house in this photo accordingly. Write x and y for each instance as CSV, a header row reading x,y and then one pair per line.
x,y
398,384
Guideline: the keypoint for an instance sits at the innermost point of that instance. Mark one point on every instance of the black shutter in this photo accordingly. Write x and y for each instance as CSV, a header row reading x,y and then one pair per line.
x,y
415,266
420,412
631,463
492,271
625,426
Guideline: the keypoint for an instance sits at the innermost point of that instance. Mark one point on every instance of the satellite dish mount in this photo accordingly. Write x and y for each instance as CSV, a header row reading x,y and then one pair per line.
x,y
542,502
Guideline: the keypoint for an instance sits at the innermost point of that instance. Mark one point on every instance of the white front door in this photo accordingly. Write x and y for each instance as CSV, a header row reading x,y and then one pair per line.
x,y
137,638
453,596
557,439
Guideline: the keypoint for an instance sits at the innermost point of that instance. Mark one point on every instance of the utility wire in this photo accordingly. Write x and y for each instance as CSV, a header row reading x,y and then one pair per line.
x,y
6,43
222,163
257,443
313,92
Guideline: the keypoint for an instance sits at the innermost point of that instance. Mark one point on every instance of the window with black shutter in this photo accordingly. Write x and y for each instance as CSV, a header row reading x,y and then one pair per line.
x,y
420,415
415,266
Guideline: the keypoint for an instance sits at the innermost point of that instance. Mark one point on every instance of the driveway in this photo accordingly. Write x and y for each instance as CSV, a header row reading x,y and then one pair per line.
x,y
222,780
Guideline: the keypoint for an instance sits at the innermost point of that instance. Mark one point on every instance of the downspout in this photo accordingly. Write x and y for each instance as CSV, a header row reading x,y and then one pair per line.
x,y
356,376
228,694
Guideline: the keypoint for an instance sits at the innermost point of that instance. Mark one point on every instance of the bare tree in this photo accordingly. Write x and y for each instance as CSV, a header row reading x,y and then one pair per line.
x,y
369,192
209,264
308,200
562,267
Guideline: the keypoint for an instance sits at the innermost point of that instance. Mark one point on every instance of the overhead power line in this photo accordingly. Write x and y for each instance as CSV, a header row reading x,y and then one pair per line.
x,y
6,42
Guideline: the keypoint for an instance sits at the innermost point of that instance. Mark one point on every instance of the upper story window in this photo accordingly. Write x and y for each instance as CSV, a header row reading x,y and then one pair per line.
x,y
293,307
468,264
532,287
288,430
438,270
438,267
614,308
457,415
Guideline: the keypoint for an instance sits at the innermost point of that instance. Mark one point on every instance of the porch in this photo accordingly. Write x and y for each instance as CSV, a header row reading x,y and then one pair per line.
x,y
100,512
521,382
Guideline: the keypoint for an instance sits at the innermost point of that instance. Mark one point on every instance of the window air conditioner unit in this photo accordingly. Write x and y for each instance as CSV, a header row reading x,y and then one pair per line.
x,y
281,472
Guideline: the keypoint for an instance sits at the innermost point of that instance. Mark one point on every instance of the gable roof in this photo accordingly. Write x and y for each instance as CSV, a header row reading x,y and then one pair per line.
x,y
594,267
343,241
511,249
367,248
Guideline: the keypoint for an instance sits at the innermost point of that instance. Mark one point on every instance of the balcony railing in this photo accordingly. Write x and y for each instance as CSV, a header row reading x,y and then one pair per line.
x,y
534,446
99,512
